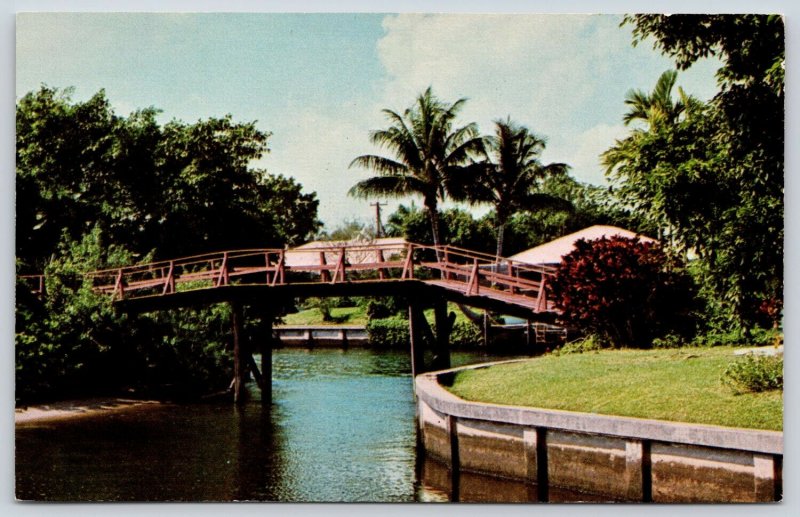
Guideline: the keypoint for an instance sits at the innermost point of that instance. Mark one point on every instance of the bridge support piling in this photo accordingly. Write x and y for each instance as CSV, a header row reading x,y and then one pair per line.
x,y
415,322
444,326
238,366
265,349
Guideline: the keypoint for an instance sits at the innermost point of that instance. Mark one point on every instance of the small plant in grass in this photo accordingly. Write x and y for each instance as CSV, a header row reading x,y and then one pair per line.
x,y
587,344
754,373
670,341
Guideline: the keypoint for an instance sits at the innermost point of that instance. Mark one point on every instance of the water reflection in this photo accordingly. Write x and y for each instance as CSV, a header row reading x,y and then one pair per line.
x,y
340,428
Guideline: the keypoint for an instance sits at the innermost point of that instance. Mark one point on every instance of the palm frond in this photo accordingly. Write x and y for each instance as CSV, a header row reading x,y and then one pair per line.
x,y
383,166
389,186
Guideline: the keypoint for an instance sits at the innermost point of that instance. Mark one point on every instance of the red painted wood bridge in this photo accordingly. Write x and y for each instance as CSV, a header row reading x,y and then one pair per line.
x,y
270,279
464,276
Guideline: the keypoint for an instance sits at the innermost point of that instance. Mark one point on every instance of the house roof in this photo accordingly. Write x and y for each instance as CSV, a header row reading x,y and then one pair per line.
x,y
551,252
309,254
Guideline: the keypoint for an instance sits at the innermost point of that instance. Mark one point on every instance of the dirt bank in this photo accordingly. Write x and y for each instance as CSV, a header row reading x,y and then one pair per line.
x,y
74,409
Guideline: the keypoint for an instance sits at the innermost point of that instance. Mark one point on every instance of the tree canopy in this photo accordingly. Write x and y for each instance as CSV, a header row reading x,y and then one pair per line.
x,y
177,189
715,179
98,190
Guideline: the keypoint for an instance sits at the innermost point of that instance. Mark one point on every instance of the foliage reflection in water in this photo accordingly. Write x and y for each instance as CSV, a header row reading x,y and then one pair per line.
x,y
341,428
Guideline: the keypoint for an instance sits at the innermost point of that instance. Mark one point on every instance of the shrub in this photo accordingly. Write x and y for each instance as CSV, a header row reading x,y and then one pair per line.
x,y
590,343
624,290
388,332
465,334
754,373
737,337
669,341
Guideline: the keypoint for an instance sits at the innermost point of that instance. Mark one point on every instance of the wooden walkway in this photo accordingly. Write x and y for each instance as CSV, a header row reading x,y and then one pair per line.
x,y
464,276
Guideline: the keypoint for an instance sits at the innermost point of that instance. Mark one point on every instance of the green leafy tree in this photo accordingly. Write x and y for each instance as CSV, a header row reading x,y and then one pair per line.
x,y
459,228
97,190
428,151
715,179
178,188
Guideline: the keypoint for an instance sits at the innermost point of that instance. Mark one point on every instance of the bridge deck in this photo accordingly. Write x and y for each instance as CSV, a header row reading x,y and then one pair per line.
x,y
371,270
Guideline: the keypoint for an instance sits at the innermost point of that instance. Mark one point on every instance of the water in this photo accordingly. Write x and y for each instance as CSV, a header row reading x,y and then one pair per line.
x,y
341,428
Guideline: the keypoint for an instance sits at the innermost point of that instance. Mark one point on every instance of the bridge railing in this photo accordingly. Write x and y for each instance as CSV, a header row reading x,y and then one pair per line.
x,y
481,271
472,272
33,282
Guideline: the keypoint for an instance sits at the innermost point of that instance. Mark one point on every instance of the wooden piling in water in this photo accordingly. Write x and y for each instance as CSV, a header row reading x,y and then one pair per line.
x,y
238,367
265,348
415,321
444,325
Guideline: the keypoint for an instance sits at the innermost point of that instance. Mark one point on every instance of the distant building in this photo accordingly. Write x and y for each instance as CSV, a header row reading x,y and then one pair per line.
x,y
314,252
550,253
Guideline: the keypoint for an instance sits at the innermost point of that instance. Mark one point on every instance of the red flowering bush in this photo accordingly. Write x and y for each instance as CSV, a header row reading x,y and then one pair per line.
x,y
624,290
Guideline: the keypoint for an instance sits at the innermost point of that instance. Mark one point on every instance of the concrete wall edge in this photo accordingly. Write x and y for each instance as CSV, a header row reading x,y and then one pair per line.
x,y
430,391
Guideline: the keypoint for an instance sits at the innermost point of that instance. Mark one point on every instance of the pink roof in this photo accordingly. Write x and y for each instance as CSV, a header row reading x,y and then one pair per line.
x,y
551,252
309,254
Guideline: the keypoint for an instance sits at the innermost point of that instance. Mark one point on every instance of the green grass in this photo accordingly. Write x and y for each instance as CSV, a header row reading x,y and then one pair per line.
x,y
341,316
676,384
350,316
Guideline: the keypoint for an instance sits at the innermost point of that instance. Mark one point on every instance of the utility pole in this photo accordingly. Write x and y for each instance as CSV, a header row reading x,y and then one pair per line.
x,y
378,226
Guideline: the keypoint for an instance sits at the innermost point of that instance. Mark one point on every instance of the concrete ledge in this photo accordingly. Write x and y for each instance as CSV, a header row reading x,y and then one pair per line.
x,y
621,457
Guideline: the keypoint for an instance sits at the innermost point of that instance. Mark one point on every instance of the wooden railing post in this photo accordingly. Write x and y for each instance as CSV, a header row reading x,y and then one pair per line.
x,y
511,286
339,272
324,275
474,285
541,298
119,287
266,266
280,269
169,282
381,260
446,265
222,278
408,265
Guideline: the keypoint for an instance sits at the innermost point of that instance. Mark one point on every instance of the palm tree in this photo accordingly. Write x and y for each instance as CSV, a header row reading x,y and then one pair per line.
x,y
657,108
509,176
657,111
427,151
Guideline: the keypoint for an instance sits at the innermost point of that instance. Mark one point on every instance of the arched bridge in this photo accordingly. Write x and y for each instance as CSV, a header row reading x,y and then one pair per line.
x,y
460,275
271,278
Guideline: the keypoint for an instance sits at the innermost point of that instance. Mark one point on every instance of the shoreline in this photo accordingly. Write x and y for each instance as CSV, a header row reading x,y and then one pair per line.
x,y
70,409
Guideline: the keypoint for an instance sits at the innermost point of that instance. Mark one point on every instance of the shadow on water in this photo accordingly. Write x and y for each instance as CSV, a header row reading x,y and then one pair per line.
x,y
438,483
340,428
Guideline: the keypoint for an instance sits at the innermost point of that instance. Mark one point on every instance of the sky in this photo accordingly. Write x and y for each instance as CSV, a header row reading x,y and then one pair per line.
x,y
318,82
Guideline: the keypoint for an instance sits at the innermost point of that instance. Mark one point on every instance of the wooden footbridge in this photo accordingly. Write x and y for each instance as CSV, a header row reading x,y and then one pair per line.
x,y
271,278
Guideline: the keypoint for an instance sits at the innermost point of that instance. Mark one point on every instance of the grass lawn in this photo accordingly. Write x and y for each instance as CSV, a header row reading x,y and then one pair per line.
x,y
674,384
340,315
351,316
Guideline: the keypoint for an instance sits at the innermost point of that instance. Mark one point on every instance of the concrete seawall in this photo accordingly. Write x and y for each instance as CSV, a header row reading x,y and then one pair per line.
x,y
620,458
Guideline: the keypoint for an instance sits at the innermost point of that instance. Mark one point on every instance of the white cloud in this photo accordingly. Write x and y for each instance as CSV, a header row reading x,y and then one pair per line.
x,y
316,148
536,68
582,152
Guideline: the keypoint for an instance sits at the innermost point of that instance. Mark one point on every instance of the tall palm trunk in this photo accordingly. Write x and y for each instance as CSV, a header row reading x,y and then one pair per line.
x,y
501,230
433,216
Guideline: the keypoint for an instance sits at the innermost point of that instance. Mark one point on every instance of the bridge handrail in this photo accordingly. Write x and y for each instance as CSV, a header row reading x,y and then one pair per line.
x,y
473,271
183,261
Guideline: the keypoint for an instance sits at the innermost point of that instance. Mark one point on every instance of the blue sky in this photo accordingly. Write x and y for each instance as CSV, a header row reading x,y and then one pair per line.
x,y
319,81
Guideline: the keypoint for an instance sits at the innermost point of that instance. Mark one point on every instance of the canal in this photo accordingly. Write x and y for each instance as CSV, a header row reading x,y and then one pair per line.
x,y
341,428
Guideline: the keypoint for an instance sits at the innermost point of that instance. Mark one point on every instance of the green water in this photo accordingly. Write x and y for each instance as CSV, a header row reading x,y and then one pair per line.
x,y
341,428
